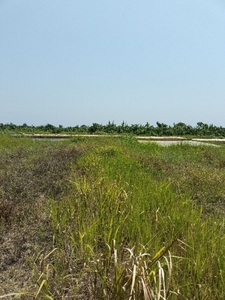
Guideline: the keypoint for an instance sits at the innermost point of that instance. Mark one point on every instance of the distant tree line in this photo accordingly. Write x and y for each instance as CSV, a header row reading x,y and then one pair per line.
x,y
161,129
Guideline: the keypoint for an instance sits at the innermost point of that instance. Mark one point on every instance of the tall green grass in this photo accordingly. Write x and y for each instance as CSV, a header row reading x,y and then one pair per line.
x,y
119,219
129,227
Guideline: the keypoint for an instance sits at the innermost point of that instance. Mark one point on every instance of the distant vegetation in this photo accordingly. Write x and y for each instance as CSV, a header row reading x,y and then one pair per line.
x,y
161,129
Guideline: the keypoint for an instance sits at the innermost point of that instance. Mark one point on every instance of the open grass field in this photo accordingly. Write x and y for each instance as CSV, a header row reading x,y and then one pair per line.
x,y
111,219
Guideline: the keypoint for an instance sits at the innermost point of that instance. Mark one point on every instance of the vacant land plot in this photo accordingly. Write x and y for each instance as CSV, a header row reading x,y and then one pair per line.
x,y
111,219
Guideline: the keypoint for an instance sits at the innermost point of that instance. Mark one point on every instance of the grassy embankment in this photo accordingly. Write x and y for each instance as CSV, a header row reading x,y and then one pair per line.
x,y
111,219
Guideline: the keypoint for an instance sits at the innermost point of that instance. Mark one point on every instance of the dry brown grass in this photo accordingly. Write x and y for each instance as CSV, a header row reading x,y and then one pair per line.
x,y
29,175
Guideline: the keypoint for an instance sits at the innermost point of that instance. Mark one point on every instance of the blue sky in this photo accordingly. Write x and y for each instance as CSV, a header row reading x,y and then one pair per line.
x,y
74,62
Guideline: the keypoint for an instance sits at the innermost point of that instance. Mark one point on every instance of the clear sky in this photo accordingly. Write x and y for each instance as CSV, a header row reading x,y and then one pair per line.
x,y
74,62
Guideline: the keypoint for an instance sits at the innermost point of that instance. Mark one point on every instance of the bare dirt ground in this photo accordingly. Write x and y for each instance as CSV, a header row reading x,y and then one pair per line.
x,y
192,142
